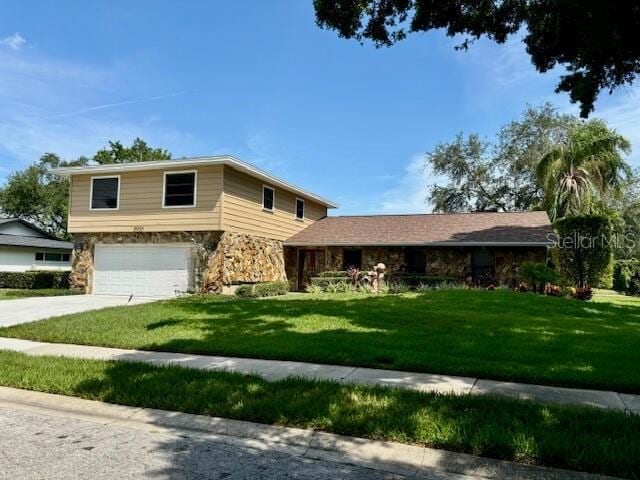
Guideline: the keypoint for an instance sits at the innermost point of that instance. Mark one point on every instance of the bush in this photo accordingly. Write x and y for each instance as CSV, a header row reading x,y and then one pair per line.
x,y
537,275
245,291
584,250
415,280
398,287
583,293
265,289
34,280
324,282
333,273
626,276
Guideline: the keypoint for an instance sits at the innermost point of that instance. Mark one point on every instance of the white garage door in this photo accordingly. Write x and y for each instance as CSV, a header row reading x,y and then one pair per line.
x,y
142,270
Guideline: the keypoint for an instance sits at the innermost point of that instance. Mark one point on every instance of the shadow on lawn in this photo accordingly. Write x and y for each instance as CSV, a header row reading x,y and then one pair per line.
x,y
520,431
521,337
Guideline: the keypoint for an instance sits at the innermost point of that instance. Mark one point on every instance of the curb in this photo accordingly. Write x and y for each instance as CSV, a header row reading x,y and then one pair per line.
x,y
391,457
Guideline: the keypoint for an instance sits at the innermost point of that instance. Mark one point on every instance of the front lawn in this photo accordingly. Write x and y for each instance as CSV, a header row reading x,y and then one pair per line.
x,y
552,435
490,334
11,293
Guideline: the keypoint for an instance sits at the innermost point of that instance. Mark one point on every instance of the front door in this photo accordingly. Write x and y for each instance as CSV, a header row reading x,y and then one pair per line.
x,y
482,265
310,264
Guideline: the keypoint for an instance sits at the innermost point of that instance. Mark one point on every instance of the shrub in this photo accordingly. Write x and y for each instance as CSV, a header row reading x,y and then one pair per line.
x,y
323,282
397,287
626,276
584,250
552,290
265,289
537,275
271,289
245,291
34,280
415,280
314,289
583,293
333,273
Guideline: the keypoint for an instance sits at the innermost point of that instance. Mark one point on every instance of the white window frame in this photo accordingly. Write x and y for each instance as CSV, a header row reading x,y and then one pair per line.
x,y
195,188
273,209
91,194
304,208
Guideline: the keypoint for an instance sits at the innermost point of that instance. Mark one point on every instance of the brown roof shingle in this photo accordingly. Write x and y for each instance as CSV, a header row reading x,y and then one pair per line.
x,y
428,229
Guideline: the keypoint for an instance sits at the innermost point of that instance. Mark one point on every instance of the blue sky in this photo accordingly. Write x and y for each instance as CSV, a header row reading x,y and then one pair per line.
x,y
259,80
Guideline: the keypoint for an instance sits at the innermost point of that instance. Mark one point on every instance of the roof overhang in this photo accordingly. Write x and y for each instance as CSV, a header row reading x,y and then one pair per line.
x,y
194,162
420,244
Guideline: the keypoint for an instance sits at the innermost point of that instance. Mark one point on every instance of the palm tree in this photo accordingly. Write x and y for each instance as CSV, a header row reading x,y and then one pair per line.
x,y
587,167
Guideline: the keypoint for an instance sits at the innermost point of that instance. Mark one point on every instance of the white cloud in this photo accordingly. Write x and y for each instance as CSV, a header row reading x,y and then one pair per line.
x,y
409,193
50,105
14,42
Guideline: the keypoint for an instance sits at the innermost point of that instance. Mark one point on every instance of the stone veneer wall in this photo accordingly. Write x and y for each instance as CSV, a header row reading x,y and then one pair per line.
x,y
221,258
241,258
446,262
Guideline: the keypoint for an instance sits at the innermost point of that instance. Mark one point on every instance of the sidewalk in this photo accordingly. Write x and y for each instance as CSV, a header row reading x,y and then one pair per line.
x,y
397,459
272,370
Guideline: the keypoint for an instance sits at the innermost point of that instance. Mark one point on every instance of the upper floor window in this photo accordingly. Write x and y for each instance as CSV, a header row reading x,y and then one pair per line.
x,y
105,193
299,209
179,189
268,198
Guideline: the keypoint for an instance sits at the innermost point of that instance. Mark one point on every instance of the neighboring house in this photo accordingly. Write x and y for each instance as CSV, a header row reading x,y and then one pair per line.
x,y
205,224
25,247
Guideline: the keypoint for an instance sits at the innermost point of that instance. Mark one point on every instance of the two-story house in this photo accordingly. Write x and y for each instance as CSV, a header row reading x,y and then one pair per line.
x,y
206,224
194,224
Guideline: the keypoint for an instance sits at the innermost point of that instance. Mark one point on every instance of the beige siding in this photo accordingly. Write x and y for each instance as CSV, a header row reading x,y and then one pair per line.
x,y
243,213
140,206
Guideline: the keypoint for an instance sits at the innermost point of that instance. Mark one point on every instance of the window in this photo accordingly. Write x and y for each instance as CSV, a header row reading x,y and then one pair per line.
x,y
416,260
299,209
268,198
351,258
179,189
52,257
105,193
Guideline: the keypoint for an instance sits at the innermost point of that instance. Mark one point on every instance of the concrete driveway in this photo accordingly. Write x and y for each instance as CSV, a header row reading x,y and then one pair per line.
x,y
23,310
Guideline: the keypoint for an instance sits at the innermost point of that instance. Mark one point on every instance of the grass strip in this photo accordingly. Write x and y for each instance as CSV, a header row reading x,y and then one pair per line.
x,y
576,438
499,335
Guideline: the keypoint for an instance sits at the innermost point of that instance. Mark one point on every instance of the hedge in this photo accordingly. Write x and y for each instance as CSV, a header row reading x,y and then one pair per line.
x,y
34,280
322,282
265,289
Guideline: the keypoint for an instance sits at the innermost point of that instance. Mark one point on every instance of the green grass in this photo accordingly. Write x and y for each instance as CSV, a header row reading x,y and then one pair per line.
x,y
500,334
557,436
10,294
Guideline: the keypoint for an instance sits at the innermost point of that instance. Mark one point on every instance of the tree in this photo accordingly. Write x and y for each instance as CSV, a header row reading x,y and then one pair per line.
x,y
35,195
580,173
139,151
498,175
595,41
584,252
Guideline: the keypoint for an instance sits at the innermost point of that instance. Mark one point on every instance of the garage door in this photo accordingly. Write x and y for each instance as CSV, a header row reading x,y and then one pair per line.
x,y
142,270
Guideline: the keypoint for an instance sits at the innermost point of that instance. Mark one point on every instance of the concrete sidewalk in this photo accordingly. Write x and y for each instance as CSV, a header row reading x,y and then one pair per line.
x,y
35,412
272,370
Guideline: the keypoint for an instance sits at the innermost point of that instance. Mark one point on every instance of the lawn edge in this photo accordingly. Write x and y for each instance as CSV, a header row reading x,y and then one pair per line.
x,y
392,457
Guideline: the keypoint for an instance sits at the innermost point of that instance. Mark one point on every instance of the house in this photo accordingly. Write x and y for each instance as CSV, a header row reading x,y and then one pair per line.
x,y
209,223
25,247
462,246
